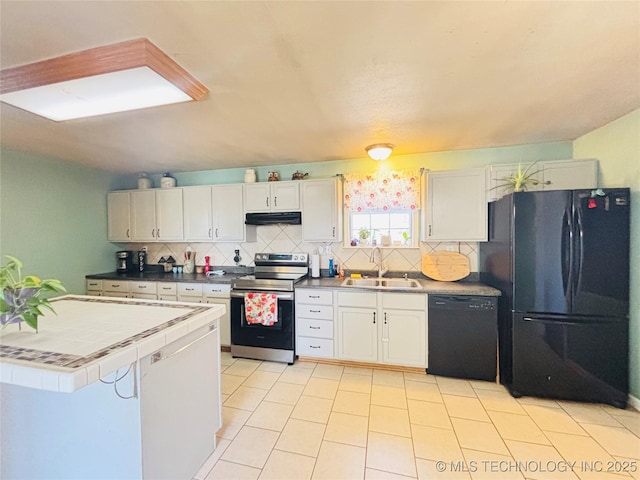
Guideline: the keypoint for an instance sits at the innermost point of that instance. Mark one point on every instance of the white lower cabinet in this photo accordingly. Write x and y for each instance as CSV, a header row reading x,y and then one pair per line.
x,y
115,288
219,294
388,328
404,329
143,290
94,287
314,322
358,333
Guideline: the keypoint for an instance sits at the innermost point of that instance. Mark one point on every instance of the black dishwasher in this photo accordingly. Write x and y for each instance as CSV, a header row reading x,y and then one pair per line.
x,y
463,336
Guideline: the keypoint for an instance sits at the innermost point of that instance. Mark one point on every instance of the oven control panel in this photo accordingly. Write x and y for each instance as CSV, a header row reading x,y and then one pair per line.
x,y
281,259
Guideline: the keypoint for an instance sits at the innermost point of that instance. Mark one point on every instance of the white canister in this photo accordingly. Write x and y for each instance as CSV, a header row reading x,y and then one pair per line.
x,y
249,175
167,181
144,181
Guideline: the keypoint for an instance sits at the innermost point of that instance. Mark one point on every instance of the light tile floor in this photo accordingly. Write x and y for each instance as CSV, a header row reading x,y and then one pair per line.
x,y
316,421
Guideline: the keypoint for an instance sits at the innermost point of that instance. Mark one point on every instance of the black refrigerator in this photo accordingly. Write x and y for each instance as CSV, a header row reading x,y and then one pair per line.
x,y
561,260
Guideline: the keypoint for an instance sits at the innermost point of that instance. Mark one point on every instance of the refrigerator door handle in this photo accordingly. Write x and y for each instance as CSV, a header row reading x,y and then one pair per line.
x,y
578,250
567,252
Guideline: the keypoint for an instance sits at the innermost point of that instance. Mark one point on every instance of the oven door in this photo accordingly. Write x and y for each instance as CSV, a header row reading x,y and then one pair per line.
x,y
280,335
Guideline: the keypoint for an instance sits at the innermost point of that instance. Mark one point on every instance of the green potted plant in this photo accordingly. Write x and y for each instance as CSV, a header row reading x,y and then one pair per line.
x,y
406,238
520,180
364,233
22,299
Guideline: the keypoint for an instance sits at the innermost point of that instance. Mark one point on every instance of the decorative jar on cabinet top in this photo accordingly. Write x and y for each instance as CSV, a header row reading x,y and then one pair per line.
x,y
167,181
249,175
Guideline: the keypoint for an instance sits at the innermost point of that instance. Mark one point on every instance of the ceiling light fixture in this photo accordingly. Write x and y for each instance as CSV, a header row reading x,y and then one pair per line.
x,y
379,151
114,78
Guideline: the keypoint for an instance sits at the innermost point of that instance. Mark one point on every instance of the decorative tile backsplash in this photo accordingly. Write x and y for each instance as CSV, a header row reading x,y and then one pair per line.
x,y
288,238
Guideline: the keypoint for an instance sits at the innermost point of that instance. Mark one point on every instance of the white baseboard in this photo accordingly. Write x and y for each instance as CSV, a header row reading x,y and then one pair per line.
x,y
634,402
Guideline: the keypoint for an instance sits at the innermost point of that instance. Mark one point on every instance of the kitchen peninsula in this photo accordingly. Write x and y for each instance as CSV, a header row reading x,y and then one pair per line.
x,y
101,391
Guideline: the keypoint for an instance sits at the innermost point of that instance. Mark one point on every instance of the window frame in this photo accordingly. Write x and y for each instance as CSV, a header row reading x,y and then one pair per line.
x,y
415,229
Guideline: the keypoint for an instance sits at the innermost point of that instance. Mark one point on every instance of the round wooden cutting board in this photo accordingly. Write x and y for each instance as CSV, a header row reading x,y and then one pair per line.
x,y
445,266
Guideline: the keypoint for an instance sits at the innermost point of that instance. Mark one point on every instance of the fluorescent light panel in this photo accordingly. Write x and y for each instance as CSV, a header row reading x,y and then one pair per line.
x,y
94,82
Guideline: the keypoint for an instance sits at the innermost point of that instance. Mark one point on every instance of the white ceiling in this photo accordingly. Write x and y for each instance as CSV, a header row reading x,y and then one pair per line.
x,y
313,81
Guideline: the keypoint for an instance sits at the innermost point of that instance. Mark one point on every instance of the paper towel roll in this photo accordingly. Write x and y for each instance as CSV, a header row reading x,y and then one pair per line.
x,y
315,266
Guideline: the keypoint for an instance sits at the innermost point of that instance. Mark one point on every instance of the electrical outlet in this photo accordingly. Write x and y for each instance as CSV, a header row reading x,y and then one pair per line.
x,y
450,248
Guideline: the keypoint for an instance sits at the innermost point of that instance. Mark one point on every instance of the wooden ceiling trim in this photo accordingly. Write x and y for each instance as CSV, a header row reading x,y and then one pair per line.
x,y
125,55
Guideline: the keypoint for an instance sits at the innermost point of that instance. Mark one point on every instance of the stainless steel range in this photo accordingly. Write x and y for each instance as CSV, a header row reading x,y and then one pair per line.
x,y
262,307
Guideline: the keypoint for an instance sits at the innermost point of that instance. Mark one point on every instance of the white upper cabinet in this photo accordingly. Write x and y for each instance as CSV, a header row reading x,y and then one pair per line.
x,y
571,174
156,215
143,216
454,206
215,213
272,196
550,175
228,215
118,226
197,213
321,210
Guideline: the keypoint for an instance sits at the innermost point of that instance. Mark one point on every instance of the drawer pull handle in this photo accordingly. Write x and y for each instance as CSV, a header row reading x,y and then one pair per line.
x,y
314,346
314,328
166,288
115,286
314,296
314,311
142,286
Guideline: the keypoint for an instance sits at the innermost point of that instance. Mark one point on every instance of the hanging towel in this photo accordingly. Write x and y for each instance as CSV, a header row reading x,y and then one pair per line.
x,y
261,308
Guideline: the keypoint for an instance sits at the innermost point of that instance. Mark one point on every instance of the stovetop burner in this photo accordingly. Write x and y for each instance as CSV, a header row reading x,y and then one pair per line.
x,y
274,271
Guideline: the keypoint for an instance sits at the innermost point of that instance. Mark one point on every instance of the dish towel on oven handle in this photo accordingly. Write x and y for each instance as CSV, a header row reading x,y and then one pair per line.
x,y
261,308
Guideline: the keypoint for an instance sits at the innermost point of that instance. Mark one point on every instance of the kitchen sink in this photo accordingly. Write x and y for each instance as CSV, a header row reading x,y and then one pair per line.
x,y
382,283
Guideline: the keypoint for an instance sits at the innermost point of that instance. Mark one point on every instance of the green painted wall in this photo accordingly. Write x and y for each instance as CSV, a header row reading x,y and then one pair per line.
x,y
434,161
53,217
617,146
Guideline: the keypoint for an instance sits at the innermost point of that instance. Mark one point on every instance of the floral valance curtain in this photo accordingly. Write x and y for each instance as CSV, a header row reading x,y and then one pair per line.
x,y
382,191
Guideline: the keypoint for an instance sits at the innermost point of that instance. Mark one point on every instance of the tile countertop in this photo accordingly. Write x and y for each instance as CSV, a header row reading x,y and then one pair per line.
x,y
91,337
432,287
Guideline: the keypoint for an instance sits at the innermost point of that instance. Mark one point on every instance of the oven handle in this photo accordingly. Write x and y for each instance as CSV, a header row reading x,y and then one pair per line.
x,y
279,295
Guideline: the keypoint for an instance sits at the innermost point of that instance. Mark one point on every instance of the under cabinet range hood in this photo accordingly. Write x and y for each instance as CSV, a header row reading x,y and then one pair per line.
x,y
288,218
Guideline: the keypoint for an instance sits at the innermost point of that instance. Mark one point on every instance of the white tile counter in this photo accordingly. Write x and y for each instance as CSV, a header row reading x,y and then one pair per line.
x,y
91,337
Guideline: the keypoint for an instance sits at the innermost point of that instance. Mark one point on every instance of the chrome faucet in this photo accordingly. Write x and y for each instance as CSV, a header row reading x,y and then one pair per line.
x,y
372,259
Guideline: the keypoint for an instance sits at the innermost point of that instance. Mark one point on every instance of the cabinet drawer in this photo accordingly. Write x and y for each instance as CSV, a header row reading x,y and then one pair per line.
x,y
316,297
404,301
115,286
357,299
144,296
190,289
93,285
310,327
216,290
169,289
148,288
167,298
116,294
314,347
323,312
